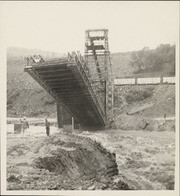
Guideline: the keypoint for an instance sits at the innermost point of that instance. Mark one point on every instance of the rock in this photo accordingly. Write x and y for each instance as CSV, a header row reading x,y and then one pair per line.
x,y
116,180
12,178
91,187
115,187
53,188
103,187
36,177
122,186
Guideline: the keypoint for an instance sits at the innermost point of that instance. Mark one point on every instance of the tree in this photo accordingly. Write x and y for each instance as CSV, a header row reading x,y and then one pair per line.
x,y
142,59
154,60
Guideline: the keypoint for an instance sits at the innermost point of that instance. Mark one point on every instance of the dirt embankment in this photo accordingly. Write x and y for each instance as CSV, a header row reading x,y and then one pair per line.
x,y
144,107
146,160
61,162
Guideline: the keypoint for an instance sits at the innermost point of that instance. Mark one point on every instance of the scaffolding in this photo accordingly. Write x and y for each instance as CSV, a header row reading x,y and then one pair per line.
x,y
97,58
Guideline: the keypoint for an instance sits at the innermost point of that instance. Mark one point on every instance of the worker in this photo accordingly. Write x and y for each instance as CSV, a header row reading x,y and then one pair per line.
x,y
111,122
47,125
164,121
25,125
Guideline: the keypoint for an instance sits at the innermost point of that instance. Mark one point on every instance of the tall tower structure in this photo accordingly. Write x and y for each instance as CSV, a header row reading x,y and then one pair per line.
x,y
97,57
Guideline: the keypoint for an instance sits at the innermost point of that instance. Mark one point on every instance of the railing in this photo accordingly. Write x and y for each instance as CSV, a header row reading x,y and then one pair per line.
x,y
35,60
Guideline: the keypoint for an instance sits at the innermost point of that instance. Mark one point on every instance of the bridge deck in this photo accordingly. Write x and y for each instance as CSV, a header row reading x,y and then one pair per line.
x,y
68,81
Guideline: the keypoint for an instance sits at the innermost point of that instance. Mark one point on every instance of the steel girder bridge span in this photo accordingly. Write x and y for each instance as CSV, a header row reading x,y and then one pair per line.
x,y
69,82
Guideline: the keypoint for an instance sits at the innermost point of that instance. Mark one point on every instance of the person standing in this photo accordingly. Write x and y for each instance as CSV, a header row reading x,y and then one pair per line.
x,y
25,125
47,125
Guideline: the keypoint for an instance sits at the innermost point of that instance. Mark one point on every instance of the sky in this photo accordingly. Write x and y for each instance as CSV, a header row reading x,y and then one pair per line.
x,y
60,26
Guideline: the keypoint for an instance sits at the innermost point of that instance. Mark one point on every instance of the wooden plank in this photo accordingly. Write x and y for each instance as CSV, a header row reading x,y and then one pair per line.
x,y
75,98
55,77
60,79
52,67
67,90
76,102
52,70
81,96
69,94
55,74
63,87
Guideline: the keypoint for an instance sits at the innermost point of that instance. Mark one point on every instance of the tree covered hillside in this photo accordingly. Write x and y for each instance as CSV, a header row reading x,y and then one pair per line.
x,y
146,62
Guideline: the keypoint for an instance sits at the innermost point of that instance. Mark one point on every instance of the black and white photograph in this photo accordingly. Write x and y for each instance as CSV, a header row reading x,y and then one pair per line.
x,y
89,97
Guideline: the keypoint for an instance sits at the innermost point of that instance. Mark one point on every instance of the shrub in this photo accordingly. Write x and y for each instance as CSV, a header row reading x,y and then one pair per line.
x,y
138,95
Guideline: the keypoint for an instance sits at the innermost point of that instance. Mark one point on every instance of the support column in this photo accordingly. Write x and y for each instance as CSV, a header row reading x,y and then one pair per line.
x,y
64,119
59,116
67,121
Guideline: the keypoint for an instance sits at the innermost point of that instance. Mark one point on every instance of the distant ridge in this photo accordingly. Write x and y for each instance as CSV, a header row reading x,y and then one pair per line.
x,y
23,52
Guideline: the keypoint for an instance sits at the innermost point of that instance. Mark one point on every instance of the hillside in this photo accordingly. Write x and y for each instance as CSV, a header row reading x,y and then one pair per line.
x,y
23,52
145,62
26,98
144,107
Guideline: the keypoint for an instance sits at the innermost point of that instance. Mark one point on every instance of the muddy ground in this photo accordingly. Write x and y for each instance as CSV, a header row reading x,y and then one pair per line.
x,y
145,159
